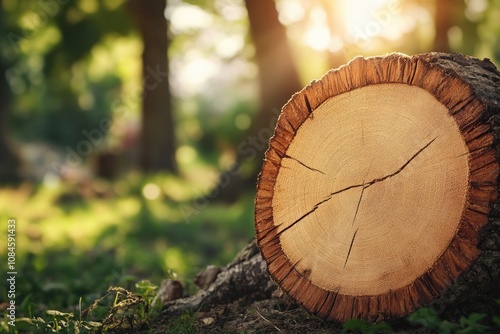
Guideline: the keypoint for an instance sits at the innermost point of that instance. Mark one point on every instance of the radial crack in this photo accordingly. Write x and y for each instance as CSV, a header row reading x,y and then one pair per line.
x,y
358,205
304,215
364,185
350,247
402,167
361,195
303,164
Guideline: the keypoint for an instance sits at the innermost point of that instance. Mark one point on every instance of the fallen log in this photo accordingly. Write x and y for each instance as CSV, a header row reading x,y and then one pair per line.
x,y
379,190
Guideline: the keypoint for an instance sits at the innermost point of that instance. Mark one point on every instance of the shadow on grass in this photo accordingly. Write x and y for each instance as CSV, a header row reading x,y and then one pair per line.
x,y
154,243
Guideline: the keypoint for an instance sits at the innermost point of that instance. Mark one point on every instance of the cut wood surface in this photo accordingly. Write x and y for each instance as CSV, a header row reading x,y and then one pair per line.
x,y
378,187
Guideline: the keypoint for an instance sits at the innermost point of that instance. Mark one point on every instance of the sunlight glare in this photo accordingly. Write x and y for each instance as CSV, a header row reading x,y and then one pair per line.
x,y
229,46
318,37
195,70
185,154
336,44
290,11
359,22
357,14
188,17
475,9
151,191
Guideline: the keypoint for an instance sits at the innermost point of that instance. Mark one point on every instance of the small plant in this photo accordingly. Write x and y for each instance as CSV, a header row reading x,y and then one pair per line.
x,y
127,311
56,322
147,291
429,318
472,325
118,310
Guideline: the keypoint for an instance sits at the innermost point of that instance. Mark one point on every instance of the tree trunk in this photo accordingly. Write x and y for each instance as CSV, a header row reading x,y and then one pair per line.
x,y
378,193
9,161
157,149
278,78
442,23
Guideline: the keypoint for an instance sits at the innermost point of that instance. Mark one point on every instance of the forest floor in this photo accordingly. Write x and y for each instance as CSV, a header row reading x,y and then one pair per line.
x,y
273,315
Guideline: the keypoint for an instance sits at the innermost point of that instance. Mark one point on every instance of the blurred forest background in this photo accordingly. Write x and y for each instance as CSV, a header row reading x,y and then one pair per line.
x,y
132,132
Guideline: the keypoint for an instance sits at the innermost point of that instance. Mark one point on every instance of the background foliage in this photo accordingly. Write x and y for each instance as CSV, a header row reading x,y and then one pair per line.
x,y
71,64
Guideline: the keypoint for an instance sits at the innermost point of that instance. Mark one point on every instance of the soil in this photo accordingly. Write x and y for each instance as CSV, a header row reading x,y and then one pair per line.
x,y
272,315
241,298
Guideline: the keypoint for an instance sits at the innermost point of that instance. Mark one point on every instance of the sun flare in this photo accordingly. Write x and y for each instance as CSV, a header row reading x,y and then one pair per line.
x,y
354,22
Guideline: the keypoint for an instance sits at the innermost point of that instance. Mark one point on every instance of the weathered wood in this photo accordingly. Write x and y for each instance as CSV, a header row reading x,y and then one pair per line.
x,y
379,192
245,276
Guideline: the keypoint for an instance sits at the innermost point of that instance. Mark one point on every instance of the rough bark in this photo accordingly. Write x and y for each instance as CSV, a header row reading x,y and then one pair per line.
x,y
157,148
245,276
478,287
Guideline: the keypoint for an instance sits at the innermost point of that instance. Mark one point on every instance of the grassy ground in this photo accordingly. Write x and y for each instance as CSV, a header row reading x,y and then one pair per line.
x,y
75,240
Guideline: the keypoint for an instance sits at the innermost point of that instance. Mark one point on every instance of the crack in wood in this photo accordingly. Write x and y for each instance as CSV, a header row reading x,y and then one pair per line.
x,y
303,164
401,168
358,205
303,216
334,299
362,193
308,104
364,185
477,149
350,247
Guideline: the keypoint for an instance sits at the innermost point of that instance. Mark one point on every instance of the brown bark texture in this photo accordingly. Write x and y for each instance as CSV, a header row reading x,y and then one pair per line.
x,y
245,276
278,77
157,148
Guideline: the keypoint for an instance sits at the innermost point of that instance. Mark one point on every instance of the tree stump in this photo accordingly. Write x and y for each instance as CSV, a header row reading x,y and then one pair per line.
x,y
378,193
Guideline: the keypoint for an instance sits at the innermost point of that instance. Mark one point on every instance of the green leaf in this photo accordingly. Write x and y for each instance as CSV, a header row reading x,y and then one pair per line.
x,y
447,327
496,320
355,325
59,313
93,324
426,317
365,327
476,317
471,324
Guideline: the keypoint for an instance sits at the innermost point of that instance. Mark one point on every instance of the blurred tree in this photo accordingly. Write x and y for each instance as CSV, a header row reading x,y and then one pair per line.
x,y
64,84
9,162
443,21
278,77
157,150
278,80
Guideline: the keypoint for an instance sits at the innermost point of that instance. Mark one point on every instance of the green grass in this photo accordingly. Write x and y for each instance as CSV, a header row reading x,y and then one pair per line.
x,y
75,240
